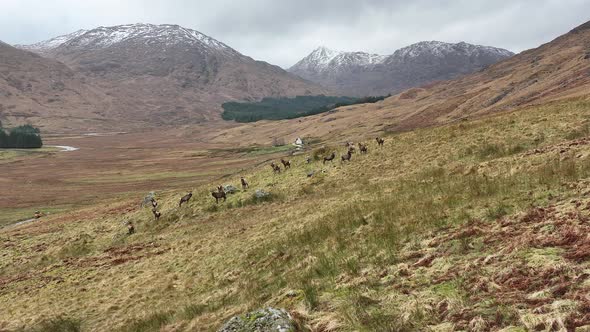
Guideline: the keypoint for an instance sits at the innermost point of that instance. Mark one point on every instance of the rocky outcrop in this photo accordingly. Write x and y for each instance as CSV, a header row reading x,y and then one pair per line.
x,y
263,320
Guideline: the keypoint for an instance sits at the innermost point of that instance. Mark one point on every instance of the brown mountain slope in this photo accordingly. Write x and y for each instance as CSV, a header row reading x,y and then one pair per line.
x,y
167,74
46,93
556,70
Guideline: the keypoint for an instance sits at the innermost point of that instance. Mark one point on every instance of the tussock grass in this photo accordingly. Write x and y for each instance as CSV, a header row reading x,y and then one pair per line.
x,y
153,322
58,324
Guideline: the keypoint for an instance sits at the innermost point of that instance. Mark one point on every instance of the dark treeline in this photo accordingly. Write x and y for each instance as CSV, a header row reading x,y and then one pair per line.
x,y
288,108
22,137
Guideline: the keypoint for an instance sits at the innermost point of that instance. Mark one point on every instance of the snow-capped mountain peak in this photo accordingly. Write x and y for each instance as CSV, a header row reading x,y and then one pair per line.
x,y
325,59
166,33
321,57
440,49
360,73
148,34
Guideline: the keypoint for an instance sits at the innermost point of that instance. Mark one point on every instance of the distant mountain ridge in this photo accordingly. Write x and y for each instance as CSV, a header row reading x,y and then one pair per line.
x,y
168,74
361,73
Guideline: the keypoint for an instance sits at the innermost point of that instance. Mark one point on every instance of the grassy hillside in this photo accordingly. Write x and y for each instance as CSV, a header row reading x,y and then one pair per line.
x,y
480,225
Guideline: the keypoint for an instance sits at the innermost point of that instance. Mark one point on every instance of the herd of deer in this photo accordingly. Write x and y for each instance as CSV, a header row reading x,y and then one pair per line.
x,y
351,149
221,194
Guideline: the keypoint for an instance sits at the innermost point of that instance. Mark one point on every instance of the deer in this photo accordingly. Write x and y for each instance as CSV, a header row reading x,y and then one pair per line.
x,y
219,194
362,148
380,141
330,157
286,163
347,156
130,228
157,214
350,146
276,168
244,183
185,198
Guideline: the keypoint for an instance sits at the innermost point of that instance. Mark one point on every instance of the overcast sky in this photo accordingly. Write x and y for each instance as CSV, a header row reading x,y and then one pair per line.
x,y
283,31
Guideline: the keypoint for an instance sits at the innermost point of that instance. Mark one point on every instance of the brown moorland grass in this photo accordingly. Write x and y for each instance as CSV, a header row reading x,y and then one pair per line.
x,y
479,225
110,166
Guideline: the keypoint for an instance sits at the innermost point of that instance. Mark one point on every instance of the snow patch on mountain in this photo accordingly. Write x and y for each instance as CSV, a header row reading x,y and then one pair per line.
x,y
361,73
440,49
324,59
47,45
104,37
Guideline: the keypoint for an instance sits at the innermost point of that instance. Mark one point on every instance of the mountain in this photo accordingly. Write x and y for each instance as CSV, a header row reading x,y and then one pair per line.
x,y
359,73
552,72
46,93
326,62
167,74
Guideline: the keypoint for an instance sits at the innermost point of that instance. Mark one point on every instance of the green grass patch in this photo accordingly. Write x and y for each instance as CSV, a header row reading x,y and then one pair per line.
x,y
10,216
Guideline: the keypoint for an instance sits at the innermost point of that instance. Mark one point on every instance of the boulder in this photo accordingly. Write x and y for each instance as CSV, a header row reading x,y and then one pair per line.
x,y
262,320
230,189
260,194
147,200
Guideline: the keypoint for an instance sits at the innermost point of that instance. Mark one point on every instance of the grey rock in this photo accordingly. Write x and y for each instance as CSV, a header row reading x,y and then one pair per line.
x,y
262,320
261,194
230,189
147,200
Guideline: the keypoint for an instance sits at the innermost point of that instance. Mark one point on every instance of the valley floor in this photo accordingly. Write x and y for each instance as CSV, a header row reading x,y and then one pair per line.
x,y
110,167
480,225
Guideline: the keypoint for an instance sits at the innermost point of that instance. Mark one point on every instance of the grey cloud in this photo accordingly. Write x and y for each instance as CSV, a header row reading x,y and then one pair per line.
x,y
282,32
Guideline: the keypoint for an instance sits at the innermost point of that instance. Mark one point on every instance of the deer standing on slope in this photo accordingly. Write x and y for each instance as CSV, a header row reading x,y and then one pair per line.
x,y
330,157
244,183
157,214
185,198
219,194
347,156
275,168
286,163
363,148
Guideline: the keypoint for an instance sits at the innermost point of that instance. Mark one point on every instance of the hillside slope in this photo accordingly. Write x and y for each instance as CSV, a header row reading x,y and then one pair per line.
x,y
363,74
556,70
166,74
477,226
47,93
